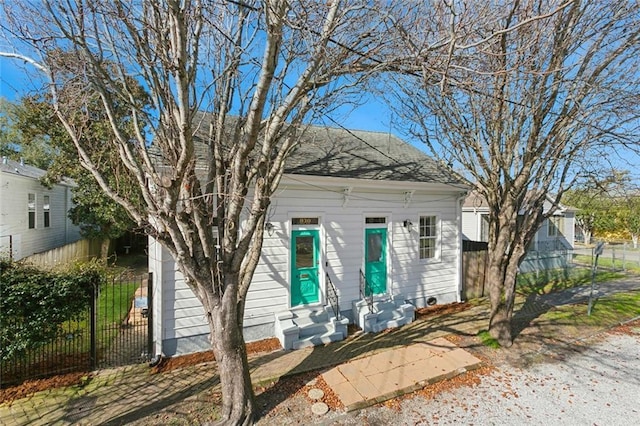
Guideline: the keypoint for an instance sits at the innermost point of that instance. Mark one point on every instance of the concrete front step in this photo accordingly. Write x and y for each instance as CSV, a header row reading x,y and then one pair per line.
x,y
301,329
393,314
309,319
384,306
313,329
386,312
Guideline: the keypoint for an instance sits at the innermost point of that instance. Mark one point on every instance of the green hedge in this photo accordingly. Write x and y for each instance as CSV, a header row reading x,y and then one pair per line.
x,y
34,304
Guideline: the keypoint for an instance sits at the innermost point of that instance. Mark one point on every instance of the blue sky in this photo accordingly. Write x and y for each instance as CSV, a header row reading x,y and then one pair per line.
x,y
17,79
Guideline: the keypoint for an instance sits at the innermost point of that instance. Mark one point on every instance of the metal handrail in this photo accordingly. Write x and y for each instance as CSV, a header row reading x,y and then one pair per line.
x,y
332,297
366,292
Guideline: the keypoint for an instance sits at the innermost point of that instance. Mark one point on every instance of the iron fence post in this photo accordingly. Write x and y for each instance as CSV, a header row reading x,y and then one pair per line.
x,y
150,353
93,349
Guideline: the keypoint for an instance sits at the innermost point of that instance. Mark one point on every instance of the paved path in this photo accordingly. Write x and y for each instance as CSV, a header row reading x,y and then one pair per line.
x,y
597,384
385,375
127,394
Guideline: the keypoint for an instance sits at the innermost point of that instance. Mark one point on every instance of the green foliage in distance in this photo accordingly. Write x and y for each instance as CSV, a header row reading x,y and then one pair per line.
x,y
35,127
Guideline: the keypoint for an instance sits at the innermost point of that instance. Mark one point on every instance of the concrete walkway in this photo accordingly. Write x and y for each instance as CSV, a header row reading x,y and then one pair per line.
x,y
376,366
385,375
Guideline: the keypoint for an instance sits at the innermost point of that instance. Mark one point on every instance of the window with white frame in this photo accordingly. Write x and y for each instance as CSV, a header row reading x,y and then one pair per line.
x,y
484,227
46,210
31,207
428,237
555,225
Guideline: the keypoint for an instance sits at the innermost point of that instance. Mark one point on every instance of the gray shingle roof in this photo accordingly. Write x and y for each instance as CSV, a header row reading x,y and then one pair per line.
x,y
26,170
16,168
359,154
337,152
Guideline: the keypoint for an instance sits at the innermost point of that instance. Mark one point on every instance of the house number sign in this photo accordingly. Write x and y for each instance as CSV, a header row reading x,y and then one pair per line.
x,y
304,221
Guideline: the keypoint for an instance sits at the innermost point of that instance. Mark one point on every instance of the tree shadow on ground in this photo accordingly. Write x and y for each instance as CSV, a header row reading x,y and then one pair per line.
x,y
321,358
159,402
533,307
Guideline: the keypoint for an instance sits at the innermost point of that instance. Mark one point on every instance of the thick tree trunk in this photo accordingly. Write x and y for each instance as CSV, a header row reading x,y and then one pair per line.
x,y
504,258
227,341
501,308
104,249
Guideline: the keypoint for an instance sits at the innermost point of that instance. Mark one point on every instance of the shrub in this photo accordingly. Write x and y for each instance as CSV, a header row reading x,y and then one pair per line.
x,y
34,304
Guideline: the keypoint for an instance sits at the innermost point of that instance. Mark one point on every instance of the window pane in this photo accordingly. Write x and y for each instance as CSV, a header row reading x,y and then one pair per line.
x,y
428,237
304,252
554,224
484,227
371,220
427,226
46,209
427,248
374,247
31,206
305,221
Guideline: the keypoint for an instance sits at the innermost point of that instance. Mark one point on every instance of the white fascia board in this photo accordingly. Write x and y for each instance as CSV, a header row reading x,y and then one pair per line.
x,y
291,180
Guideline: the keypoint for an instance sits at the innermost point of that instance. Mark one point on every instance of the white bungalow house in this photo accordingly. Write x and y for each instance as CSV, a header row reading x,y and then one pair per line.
x,y
363,229
550,245
33,218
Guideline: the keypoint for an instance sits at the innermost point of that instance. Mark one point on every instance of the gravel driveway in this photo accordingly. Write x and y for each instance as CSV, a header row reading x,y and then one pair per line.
x,y
596,385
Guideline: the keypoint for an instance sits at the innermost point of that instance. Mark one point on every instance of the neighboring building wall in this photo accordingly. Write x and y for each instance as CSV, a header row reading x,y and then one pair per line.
x,y
548,250
547,238
471,222
14,216
342,224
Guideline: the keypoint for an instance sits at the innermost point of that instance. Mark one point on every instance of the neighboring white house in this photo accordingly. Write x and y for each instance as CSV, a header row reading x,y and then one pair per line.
x,y
550,244
351,205
33,218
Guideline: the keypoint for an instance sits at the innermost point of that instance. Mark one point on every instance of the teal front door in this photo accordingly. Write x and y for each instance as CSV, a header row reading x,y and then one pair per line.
x,y
305,264
375,255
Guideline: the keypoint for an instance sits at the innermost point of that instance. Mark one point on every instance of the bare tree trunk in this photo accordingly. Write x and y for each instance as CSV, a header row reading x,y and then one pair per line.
x,y
502,297
225,323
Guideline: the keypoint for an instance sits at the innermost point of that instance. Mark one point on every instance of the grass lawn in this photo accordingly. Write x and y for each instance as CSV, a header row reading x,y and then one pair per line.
x,y
606,311
555,280
114,302
608,262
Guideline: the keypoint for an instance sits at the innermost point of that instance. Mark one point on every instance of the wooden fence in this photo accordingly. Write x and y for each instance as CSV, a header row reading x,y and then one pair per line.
x,y
79,250
474,266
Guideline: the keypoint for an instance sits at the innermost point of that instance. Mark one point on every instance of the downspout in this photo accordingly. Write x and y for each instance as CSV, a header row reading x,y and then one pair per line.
x,y
459,202
157,296
66,215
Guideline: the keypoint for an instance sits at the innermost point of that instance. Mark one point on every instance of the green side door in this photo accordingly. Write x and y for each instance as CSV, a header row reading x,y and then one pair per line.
x,y
375,255
305,264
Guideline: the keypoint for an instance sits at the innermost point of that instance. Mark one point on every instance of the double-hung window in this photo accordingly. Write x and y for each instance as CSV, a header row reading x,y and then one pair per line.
x,y
555,225
31,207
46,210
428,237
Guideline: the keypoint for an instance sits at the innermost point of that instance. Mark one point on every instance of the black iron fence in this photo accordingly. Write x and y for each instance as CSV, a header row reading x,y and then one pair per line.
x,y
332,297
115,329
366,292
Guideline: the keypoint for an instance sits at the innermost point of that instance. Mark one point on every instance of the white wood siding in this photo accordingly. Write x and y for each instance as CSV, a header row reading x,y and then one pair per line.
x,y
342,247
14,190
